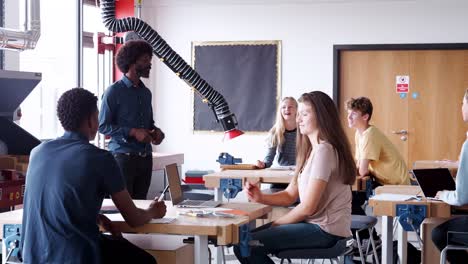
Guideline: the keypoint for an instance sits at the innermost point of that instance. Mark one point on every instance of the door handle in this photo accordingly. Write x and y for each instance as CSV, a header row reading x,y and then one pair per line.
x,y
401,132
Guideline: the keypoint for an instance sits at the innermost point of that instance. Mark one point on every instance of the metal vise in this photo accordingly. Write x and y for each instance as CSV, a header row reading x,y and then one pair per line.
x,y
226,159
411,216
12,240
230,187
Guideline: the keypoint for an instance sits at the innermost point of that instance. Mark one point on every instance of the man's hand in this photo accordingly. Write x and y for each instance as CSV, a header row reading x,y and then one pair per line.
x,y
106,224
260,164
141,134
157,136
157,209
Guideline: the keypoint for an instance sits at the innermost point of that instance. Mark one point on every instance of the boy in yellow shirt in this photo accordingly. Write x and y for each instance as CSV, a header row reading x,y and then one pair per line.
x,y
375,154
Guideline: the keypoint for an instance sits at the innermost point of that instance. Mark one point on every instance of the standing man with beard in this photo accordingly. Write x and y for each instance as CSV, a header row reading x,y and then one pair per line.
x,y
127,117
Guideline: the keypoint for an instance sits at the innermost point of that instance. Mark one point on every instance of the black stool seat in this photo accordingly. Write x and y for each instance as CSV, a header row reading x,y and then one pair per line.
x,y
362,222
339,249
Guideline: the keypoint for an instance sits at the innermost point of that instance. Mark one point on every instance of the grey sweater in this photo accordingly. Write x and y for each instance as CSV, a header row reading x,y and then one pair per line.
x,y
286,152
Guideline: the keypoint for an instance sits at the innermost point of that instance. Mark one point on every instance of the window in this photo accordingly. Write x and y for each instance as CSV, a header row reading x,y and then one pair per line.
x,y
55,57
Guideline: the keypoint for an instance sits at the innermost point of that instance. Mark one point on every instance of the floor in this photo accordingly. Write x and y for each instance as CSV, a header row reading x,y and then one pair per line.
x,y
231,259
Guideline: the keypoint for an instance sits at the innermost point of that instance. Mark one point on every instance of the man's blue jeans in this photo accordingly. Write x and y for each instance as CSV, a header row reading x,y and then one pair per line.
x,y
274,239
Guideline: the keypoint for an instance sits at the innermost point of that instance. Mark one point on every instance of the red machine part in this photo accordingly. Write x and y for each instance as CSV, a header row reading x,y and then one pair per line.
x,y
123,8
11,192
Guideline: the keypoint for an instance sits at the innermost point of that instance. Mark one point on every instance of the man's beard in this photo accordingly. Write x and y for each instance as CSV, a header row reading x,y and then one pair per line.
x,y
143,72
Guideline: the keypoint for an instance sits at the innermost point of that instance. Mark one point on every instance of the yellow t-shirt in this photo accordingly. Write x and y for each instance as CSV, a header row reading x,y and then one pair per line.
x,y
385,162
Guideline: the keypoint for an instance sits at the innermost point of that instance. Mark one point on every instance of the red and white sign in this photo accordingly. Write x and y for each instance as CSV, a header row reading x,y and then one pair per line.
x,y
402,84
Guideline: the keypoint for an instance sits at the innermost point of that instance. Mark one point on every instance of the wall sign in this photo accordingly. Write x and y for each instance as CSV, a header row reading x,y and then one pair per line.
x,y
402,83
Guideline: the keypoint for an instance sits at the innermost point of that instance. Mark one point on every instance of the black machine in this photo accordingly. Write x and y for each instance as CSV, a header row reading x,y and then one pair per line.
x,y
14,88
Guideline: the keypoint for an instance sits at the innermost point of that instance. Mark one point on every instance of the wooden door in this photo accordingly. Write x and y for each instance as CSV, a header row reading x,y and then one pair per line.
x,y
372,74
431,112
436,127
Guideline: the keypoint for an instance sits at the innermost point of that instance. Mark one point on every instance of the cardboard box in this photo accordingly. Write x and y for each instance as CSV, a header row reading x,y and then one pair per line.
x,y
14,162
7,162
166,249
22,167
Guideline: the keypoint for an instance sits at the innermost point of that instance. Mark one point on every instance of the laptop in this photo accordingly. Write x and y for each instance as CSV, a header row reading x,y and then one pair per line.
x,y
433,180
175,189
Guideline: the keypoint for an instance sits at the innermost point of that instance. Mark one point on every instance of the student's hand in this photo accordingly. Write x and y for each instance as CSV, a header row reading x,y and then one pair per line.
x,y
438,195
260,164
157,209
253,192
106,224
141,134
157,136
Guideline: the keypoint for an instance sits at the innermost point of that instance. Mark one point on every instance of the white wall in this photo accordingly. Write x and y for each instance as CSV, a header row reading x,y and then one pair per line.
x,y
308,33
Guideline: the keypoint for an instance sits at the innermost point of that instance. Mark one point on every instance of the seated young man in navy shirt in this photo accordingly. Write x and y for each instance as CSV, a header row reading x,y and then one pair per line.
x,y
66,182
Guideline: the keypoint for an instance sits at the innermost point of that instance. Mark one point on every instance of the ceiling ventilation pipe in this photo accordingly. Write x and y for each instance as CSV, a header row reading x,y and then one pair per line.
x,y
12,39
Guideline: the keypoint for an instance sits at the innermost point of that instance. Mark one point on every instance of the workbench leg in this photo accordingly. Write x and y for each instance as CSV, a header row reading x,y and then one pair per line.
x,y
218,255
201,250
387,239
218,194
402,244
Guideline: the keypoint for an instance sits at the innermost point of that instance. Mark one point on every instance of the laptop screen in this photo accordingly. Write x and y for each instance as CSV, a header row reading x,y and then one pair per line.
x,y
172,174
433,180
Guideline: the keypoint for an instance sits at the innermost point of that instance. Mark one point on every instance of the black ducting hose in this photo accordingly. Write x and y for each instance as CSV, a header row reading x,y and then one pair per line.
x,y
167,55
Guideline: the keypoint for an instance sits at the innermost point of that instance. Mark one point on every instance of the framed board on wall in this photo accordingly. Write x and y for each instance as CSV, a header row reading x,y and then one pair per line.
x,y
247,74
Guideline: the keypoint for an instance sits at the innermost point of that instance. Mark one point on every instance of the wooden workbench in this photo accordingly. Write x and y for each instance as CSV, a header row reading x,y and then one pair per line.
x,y
224,230
436,213
212,180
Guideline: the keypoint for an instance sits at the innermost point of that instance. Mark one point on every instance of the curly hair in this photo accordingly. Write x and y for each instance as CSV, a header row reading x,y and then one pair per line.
x,y
74,106
362,104
130,52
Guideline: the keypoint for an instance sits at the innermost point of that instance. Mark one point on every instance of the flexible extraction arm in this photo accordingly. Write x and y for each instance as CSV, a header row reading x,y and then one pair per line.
x,y
167,55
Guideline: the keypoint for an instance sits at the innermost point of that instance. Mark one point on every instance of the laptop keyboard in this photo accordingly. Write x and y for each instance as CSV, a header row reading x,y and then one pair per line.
x,y
191,202
198,203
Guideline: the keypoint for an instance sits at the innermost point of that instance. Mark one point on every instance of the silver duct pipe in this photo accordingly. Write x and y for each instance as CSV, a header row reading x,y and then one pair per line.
x,y
172,60
138,9
12,39
79,43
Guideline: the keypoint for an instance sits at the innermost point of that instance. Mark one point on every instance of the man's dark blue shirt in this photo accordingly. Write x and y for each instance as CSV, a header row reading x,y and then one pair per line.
x,y
125,106
66,182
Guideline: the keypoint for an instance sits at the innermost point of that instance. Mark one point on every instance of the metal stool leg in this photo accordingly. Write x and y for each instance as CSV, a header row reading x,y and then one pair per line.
x,y
358,240
443,255
371,237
